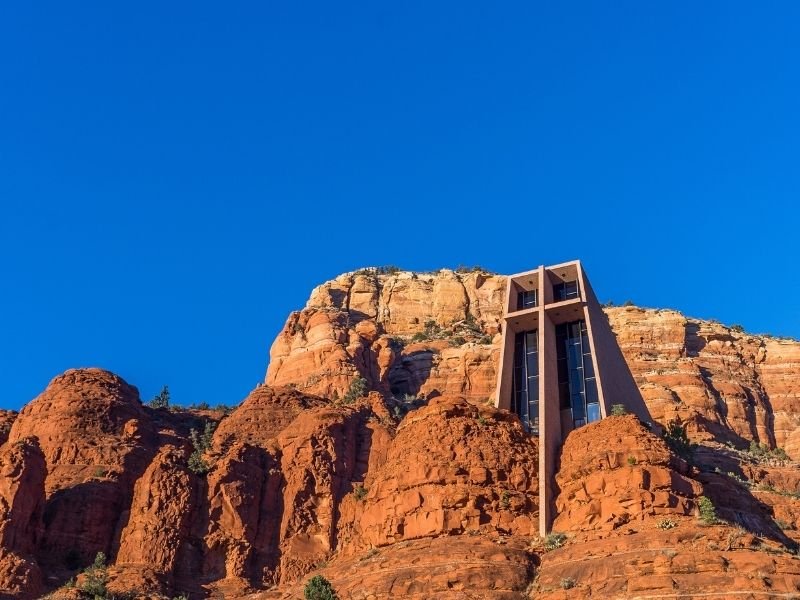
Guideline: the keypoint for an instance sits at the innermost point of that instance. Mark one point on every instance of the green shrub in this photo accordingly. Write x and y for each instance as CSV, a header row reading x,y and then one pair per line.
x,y
319,588
505,499
708,512
554,540
387,270
737,328
632,460
666,524
96,577
457,340
202,444
358,388
677,439
161,400
567,583
762,453
618,410
360,492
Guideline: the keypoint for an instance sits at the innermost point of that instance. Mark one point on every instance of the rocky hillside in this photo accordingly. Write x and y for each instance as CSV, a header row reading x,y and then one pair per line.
x,y
373,456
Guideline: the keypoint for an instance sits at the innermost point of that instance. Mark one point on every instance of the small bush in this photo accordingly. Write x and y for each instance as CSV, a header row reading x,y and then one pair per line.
x,y
678,440
96,577
161,400
632,460
201,443
737,328
567,583
666,524
387,270
708,512
618,410
370,554
457,340
483,421
358,388
628,303
554,540
197,464
360,492
319,588
199,406
505,499
762,453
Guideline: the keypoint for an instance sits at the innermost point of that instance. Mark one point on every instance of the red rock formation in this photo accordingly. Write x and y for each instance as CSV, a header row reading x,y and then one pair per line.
x,y
161,508
431,568
453,468
22,476
97,439
7,418
439,504
616,472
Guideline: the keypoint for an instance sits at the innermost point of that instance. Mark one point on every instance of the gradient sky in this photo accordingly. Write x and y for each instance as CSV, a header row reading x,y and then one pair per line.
x,y
176,177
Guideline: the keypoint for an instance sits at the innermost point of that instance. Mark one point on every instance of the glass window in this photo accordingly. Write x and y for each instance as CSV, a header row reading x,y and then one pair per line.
x,y
565,291
577,386
591,391
526,379
527,299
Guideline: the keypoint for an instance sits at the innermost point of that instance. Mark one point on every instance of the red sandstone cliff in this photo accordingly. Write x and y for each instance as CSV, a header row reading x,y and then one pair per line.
x,y
421,488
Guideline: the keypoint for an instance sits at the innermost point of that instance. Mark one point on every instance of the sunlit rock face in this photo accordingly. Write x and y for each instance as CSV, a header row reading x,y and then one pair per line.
x,y
410,483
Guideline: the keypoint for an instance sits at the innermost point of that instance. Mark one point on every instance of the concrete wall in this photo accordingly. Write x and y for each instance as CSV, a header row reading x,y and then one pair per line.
x,y
614,376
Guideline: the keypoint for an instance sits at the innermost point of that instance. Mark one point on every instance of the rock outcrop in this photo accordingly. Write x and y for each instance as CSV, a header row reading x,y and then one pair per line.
x,y
97,440
618,472
412,484
453,468
22,476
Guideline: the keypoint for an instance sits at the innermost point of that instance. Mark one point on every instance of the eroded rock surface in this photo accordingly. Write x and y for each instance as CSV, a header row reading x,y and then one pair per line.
x,y
416,487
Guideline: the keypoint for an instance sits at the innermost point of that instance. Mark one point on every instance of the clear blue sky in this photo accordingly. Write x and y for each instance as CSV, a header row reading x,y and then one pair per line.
x,y
176,177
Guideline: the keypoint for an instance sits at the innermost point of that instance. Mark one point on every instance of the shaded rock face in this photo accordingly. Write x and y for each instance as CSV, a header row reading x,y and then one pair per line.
x,y
159,524
22,476
97,440
729,385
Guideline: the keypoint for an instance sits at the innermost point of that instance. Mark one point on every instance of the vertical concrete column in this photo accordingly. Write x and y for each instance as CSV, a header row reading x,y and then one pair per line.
x,y
506,367
502,394
550,434
587,296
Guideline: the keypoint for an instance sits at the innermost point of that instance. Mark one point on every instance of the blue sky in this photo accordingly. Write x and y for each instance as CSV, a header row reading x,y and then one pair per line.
x,y
176,177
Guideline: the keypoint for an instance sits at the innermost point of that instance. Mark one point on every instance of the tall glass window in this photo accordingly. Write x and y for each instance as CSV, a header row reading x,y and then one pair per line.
x,y
525,396
565,291
527,299
577,385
